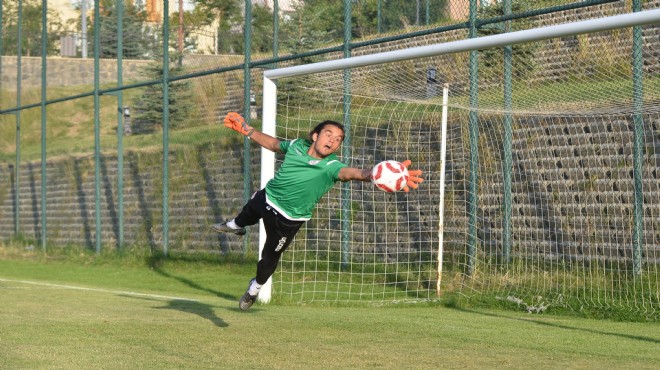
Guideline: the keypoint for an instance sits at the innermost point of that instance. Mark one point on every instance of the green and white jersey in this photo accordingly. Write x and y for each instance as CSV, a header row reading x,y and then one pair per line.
x,y
301,180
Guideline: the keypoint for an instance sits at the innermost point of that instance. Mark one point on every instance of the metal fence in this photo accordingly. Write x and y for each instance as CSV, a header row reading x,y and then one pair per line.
x,y
106,106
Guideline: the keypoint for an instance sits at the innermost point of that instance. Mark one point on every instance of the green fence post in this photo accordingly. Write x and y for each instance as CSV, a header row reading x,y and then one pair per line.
x,y
508,138
638,147
166,123
44,52
247,157
346,147
97,124
379,15
276,28
428,12
120,123
473,124
1,50
19,77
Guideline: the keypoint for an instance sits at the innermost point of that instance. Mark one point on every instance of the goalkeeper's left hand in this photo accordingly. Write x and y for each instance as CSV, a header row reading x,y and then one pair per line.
x,y
236,122
414,178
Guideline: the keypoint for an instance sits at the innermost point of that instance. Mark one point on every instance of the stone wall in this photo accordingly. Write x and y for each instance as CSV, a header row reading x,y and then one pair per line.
x,y
204,189
65,71
76,71
573,188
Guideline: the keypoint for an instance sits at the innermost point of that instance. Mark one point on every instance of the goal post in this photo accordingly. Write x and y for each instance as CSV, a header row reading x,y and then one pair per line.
x,y
269,121
571,226
269,117
441,195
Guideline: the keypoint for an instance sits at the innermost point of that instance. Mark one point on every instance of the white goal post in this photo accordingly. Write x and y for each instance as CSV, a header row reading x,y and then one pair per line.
x,y
512,38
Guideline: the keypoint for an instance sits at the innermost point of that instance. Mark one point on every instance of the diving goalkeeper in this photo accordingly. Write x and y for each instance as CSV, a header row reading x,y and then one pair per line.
x,y
309,170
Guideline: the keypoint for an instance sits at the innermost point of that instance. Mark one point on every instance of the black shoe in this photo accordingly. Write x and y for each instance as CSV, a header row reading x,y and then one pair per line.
x,y
223,228
247,300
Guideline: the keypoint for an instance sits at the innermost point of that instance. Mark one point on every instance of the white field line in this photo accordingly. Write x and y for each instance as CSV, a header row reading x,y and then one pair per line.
x,y
119,292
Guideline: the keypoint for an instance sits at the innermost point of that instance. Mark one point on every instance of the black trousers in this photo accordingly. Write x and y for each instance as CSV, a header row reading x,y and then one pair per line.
x,y
279,232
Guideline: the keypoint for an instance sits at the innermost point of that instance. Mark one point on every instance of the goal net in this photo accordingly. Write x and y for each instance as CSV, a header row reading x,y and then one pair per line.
x,y
548,194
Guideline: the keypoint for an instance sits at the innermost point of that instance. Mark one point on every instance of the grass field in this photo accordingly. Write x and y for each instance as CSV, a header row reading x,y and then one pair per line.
x,y
82,311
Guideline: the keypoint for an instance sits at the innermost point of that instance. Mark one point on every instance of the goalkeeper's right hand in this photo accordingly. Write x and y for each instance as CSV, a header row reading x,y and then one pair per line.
x,y
414,177
235,122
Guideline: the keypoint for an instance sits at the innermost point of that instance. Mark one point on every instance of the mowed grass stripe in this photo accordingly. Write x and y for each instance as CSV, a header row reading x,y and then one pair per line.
x,y
127,293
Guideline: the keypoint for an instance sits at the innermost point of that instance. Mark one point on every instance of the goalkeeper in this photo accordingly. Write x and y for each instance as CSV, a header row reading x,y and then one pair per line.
x,y
309,170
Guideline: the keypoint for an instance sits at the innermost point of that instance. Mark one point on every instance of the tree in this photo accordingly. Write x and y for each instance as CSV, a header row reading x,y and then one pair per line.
x,y
324,19
226,14
134,38
312,24
31,29
261,36
148,108
262,29
191,24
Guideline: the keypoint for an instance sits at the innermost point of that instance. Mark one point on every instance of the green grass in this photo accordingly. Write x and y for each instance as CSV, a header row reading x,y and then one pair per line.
x,y
74,309
70,126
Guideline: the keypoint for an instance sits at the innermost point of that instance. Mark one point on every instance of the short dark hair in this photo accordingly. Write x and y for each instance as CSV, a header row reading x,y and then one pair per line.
x,y
320,126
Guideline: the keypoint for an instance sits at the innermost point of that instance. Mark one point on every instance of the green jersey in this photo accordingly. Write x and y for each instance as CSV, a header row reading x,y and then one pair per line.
x,y
301,180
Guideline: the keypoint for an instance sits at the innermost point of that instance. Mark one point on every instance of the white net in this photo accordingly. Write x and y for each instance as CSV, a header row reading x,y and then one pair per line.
x,y
362,243
555,220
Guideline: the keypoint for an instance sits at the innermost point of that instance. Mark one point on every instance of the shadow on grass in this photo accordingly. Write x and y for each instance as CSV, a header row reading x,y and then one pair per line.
x,y
197,308
190,306
194,285
154,264
560,326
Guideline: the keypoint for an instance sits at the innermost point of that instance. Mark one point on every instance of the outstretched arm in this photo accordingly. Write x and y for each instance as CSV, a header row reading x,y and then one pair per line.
x,y
351,173
236,122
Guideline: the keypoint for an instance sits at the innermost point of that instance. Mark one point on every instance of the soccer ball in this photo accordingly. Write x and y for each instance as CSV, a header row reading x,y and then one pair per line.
x,y
389,176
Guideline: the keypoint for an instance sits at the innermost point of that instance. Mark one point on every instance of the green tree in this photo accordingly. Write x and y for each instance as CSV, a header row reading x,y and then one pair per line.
x,y
135,45
147,110
137,39
194,23
312,24
262,32
323,20
226,15
31,29
262,29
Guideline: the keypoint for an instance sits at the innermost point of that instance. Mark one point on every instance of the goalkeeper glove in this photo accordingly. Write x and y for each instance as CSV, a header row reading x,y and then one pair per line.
x,y
413,177
235,122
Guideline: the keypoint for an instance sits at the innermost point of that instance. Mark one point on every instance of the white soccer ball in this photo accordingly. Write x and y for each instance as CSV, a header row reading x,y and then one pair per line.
x,y
389,176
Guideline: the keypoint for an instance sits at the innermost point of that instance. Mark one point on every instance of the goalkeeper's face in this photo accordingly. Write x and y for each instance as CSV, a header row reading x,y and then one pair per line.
x,y
326,142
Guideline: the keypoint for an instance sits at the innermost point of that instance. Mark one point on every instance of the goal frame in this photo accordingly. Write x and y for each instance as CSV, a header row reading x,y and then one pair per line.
x,y
269,113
